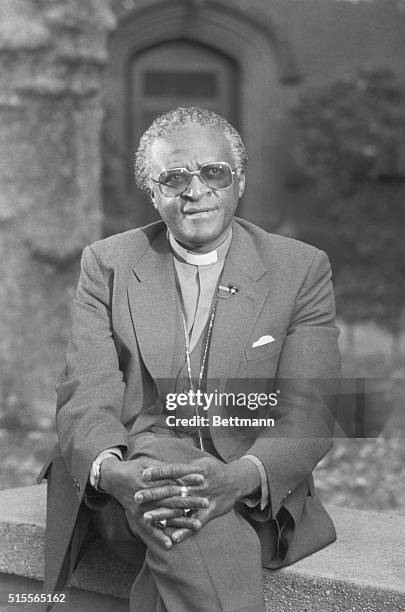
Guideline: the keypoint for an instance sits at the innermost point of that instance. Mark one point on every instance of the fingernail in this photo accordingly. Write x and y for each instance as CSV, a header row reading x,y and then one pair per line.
x,y
176,538
138,498
197,525
146,475
168,544
148,518
206,503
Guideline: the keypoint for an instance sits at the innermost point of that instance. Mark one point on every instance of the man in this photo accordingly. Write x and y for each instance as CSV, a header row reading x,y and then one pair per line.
x,y
173,315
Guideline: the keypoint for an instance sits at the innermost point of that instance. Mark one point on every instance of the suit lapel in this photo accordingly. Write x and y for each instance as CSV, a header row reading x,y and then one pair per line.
x,y
236,315
152,302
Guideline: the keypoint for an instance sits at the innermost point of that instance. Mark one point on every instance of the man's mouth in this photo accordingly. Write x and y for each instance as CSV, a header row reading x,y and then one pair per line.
x,y
198,211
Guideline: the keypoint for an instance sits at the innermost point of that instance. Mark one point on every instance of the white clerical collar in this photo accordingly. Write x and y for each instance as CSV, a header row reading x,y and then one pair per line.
x,y
200,259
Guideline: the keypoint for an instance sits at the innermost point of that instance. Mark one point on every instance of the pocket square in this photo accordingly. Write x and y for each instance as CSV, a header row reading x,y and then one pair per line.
x,y
262,340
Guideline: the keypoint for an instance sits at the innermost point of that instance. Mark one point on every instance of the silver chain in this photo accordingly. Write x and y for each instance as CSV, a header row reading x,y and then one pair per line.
x,y
202,369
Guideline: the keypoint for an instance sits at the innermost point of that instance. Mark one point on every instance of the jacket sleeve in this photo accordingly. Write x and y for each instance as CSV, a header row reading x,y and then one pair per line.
x,y
90,396
307,378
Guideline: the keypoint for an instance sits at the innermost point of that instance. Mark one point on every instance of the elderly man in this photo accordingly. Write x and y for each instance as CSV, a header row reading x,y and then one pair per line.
x,y
194,409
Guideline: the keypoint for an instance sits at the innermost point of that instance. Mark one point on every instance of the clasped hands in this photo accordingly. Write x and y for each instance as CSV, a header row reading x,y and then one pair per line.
x,y
152,493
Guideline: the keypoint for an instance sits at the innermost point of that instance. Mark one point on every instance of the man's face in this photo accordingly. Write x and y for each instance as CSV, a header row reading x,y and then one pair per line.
x,y
200,216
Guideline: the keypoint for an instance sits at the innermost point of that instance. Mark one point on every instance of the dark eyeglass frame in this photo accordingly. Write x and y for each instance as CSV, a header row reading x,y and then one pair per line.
x,y
172,191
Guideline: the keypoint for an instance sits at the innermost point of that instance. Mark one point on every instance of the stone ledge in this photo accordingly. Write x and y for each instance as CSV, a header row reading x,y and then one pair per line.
x,y
363,570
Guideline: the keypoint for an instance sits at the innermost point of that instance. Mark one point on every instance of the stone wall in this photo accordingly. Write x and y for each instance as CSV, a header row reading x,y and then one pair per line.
x,y
52,55
342,577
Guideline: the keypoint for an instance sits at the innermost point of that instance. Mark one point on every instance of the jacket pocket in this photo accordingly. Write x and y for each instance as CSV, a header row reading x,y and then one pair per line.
x,y
259,353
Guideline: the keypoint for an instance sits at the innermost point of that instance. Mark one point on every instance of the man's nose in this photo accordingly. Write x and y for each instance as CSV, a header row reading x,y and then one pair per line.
x,y
196,189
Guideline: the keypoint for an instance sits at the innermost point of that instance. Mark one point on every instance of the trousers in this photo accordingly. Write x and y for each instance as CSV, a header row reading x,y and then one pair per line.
x,y
217,568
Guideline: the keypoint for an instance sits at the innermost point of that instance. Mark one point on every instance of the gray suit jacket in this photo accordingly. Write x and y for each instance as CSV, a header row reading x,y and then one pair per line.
x,y
124,325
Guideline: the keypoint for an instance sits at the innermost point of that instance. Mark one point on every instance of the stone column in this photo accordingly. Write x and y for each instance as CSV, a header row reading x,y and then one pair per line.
x,y
52,55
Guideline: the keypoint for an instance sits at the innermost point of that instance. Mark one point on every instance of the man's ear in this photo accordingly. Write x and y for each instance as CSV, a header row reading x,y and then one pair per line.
x,y
241,181
152,197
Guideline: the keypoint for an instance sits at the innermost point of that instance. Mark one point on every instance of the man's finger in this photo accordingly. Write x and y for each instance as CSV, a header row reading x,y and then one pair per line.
x,y
159,514
202,516
188,523
174,518
180,535
159,536
189,480
170,470
146,496
186,502
175,502
139,526
159,483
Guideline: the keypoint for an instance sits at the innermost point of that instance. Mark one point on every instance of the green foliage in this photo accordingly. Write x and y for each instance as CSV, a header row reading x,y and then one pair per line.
x,y
348,150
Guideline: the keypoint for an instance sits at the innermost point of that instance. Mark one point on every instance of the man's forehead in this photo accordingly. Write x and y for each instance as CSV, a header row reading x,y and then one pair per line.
x,y
193,144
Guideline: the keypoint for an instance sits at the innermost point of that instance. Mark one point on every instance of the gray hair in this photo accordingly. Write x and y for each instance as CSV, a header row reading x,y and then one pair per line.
x,y
178,119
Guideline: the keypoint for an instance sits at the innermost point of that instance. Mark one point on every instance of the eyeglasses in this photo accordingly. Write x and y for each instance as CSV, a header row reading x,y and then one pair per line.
x,y
216,175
